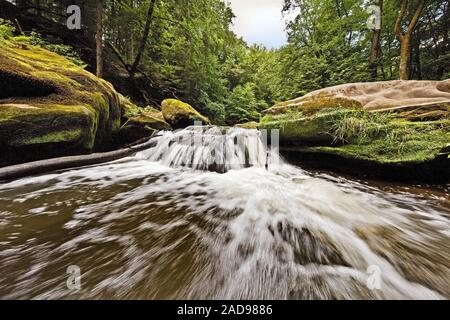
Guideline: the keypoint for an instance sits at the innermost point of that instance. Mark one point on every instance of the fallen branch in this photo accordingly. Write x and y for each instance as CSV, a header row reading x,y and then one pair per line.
x,y
44,166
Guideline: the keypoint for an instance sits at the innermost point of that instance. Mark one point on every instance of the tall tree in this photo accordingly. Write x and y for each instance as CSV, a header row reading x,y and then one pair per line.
x,y
99,38
405,37
144,39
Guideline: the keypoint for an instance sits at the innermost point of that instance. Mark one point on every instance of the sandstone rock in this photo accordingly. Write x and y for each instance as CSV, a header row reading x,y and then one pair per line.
x,y
51,107
392,122
372,96
141,124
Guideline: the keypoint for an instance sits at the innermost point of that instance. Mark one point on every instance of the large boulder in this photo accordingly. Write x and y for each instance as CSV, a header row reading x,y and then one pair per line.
x,y
386,124
139,123
180,114
51,107
370,96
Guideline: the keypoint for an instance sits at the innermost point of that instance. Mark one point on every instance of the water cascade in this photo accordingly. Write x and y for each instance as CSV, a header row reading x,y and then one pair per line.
x,y
219,215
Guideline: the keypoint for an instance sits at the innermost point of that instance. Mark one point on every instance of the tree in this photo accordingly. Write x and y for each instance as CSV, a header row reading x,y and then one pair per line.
x,y
242,105
405,37
144,40
99,38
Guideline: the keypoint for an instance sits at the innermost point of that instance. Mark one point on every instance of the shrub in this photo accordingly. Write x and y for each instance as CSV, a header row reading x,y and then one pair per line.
x,y
242,105
63,50
6,29
7,33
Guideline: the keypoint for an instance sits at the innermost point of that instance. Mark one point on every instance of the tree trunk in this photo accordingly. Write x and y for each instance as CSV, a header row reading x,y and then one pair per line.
x,y
99,38
405,38
144,40
375,48
43,166
404,59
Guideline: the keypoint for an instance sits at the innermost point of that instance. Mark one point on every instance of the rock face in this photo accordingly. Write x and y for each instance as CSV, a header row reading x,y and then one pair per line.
x,y
181,115
139,123
390,124
372,96
50,107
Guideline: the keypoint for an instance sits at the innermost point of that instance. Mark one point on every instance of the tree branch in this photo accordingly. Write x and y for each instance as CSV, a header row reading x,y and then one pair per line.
x,y
135,65
119,56
416,17
398,23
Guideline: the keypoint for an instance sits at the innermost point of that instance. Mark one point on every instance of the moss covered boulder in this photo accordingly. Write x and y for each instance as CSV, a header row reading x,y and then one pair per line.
x,y
51,107
180,114
139,123
390,125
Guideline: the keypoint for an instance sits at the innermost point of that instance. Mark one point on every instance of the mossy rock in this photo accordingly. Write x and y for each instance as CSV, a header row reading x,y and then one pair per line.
x,y
298,129
397,134
141,126
411,144
180,114
139,123
360,135
309,106
248,125
51,107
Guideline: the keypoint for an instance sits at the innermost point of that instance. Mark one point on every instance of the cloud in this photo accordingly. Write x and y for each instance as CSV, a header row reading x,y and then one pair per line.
x,y
259,21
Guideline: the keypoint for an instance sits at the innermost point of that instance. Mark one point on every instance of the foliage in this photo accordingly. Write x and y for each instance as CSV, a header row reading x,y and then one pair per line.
x,y
360,125
382,136
63,50
193,54
242,105
6,29
7,32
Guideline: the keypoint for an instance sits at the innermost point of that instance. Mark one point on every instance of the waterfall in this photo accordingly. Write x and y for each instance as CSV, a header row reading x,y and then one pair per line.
x,y
212,149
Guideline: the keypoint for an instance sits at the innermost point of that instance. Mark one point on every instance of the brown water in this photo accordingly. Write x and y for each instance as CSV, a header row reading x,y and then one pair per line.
x,y
141,229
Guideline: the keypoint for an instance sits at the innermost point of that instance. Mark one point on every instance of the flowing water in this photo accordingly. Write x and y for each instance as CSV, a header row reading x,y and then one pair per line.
x,y
159,225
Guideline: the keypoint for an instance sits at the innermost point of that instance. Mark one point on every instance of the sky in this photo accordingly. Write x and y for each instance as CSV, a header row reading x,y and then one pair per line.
x,y
259,21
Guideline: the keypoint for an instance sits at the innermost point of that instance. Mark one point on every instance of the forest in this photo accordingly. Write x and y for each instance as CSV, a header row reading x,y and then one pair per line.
x,y
153,49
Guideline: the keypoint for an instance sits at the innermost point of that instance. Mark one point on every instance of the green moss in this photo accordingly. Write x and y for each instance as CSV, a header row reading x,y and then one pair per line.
x,y
141,126
52,137
180,114
150,121
48,99
311,105
391,140
411,148
382,137
46,124
56,78
297,128
248,125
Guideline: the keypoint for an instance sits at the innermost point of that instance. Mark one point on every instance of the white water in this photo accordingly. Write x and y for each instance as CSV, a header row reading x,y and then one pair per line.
x,y
150,226
210,148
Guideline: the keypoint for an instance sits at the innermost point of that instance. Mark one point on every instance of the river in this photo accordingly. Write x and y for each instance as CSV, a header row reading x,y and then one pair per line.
x,y
152,227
